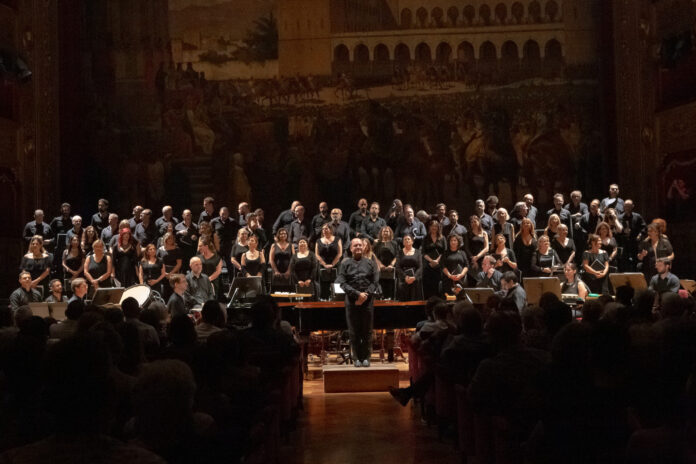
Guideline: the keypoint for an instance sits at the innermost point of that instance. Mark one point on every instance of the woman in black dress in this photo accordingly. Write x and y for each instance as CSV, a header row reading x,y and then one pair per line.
x,y
409,269
455,265
73,259
172,257
564,246
241,246
212,263
656,246
503,226
304,269
88,238
37,262
432,249
505,259
552,226
524,246
328,251
386,250
545,260
608,243
595,261
98,267
151,270
125,256
253,261
279,258
477,243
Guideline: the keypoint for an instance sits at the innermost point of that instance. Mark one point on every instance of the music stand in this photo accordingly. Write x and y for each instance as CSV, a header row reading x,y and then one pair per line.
x,y
479,295
40,309
635,280
246,288
537,286
104,296
689,285
57,310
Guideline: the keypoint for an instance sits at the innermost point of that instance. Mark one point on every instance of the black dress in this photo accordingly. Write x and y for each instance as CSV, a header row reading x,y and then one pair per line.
x,y
662,249
125,262
540,261
37,266
412,266
507,230
524,254
609,248
237,252
476,243
98,269
328,252
432,275
281,259
209,267
563,251
454,262
505,267
152,271
253,267
594,284
304,268
73,262
386,251
169,258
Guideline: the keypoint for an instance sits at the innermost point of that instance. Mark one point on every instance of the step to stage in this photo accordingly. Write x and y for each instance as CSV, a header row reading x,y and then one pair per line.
x,y
350,379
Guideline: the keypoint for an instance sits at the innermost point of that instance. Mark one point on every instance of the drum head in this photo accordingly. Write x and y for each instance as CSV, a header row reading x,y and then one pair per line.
x,y
140,292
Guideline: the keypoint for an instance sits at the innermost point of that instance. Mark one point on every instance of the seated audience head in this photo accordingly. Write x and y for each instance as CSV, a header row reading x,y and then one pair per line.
x,y
130,308
263,312
671,306
114,316
624,295
430,305
6,317
74,310
34,327
23,313
556,316
181,331
213,314
592,311
78,385
441,311
547,299
468,319
504,329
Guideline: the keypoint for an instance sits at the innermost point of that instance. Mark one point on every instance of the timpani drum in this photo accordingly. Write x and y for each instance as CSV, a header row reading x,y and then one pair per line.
x,y
142,293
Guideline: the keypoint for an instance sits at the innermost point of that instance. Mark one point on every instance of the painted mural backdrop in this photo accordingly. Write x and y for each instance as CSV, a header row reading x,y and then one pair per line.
x,y
382,98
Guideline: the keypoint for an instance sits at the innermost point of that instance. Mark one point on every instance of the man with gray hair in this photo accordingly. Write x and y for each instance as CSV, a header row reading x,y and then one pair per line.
x,y
40,228
163,221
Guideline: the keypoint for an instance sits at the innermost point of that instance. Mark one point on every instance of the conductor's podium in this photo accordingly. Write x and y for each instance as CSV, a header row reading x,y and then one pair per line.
x,y
350,379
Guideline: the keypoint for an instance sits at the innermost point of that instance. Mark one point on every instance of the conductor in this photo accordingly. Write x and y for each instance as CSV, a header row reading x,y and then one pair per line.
x,y
359,278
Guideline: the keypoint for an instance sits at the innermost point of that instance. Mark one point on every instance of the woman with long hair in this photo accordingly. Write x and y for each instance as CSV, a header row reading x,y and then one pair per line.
x,y
98,267
409,269
432,249
525,246
37,262
151,270
125,259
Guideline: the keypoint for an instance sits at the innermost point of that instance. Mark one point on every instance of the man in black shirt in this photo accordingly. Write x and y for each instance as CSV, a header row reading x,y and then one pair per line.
x,y
24,294
486,220
576,208
562,213
373,223
319,220
208,213
634,229
226,229
341,228
75,231
285,218
355,220
513,291
163,221
40,228
454,228
664,280
441,215
532,211
79,289
111,230
136,219
100,219
146,232
613,200
176,304
489,277
588,225
359,278
243,210
62,224
410,225
298,227
492,203
187,236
